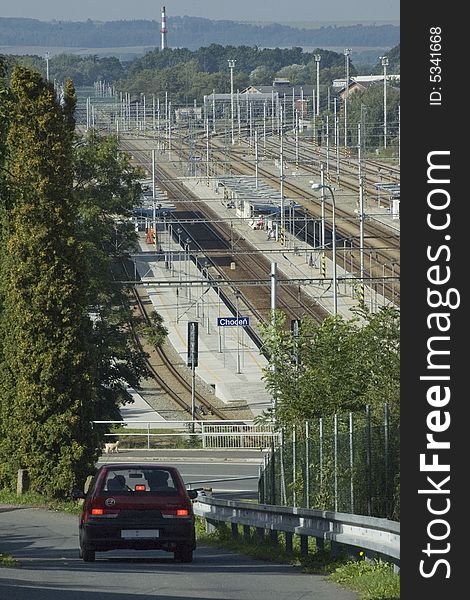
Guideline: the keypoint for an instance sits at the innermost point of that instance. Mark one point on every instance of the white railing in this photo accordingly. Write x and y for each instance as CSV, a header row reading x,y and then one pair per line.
x,y
212,434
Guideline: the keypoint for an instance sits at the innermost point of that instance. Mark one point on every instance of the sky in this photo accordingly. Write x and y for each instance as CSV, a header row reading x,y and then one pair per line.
x,y
246,10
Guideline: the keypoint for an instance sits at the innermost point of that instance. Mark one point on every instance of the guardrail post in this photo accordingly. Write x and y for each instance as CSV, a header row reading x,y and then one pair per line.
x,y
320,542
148,436
260,534
234,527
335,549
247,532
273,537
289,542
211,526
303,545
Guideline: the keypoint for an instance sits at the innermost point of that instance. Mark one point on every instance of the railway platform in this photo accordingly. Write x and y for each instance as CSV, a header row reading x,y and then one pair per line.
x,y
301,262
228,360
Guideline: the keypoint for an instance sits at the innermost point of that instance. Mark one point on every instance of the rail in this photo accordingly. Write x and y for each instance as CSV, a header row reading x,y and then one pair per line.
x,y
212,433
355,533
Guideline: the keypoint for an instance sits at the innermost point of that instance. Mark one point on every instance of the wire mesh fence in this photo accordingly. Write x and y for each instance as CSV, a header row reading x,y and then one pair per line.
x,y
346,463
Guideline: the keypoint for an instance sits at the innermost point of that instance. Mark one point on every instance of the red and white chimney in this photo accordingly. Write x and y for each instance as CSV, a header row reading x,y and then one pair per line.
x,y
163,28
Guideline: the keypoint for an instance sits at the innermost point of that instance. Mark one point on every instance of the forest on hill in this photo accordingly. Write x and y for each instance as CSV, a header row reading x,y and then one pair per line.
x,y
188,32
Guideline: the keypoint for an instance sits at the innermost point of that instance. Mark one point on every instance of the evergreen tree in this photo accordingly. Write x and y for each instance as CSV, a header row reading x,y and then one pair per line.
x,y
48,395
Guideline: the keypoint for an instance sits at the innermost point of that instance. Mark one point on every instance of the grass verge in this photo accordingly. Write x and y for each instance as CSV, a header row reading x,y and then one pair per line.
x,y
39,501
8,561
372,580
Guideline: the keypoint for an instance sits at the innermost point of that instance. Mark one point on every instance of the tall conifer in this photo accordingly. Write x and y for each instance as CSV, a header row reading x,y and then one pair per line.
x,y
48,390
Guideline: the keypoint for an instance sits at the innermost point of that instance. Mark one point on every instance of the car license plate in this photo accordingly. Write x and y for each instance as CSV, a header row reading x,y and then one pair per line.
x,y
133,534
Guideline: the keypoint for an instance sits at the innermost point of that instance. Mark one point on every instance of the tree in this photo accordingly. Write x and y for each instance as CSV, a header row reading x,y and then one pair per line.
x,y
66,356
261,76
338,366
367,107
106,189
48,398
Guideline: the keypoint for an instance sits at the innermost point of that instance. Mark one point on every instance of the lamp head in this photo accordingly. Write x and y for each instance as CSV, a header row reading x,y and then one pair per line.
x,y
316,186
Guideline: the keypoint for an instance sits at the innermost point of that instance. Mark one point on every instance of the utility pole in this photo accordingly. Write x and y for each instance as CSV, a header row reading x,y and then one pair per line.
x,y
317,58
47,56
385,65
231,66
347,53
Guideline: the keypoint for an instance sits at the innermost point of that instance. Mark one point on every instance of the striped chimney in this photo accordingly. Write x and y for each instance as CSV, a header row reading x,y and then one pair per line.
x,y
163,28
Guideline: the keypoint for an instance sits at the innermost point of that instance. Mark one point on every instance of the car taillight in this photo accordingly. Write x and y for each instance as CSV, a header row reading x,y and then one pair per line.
x,y
104,513
175,512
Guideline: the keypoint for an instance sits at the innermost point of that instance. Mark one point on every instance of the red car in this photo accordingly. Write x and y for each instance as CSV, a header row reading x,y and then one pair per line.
x,y
138,506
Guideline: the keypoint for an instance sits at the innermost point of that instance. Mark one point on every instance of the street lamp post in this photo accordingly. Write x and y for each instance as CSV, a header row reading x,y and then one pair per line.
x,y
385,65
319,186
347,53
317,58
47,56
231,66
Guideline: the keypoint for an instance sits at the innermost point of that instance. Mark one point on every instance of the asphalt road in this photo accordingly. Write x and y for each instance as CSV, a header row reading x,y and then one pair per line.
x,y
46,543
206,466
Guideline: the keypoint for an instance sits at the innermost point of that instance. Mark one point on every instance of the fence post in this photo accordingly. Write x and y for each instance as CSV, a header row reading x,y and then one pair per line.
x,y
261,483
294,460
386,457
273,473
283,474
266,478
351,458
368,462
336,460
203,434
320,435
307,465
148,435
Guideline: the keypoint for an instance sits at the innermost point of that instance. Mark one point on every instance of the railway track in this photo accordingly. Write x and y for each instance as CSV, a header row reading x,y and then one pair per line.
x,y
380,244
173,383
217,235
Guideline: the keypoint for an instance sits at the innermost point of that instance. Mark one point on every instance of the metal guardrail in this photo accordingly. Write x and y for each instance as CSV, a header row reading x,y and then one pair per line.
x,y
373,536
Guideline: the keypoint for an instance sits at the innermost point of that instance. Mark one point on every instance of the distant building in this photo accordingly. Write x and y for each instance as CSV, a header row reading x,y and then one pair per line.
x,y
261,100
190,113
361,82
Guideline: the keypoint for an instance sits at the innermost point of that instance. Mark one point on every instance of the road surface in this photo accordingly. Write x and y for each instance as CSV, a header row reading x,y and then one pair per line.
x,y
46,542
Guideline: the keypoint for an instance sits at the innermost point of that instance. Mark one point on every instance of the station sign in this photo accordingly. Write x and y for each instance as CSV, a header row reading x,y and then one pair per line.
x,y
193,327
233,322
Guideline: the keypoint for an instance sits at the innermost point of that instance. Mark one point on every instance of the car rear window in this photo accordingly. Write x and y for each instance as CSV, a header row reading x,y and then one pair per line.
x,y
141,480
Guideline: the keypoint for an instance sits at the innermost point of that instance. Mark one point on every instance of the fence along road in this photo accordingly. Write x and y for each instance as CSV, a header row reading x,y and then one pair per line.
x,y
354,532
